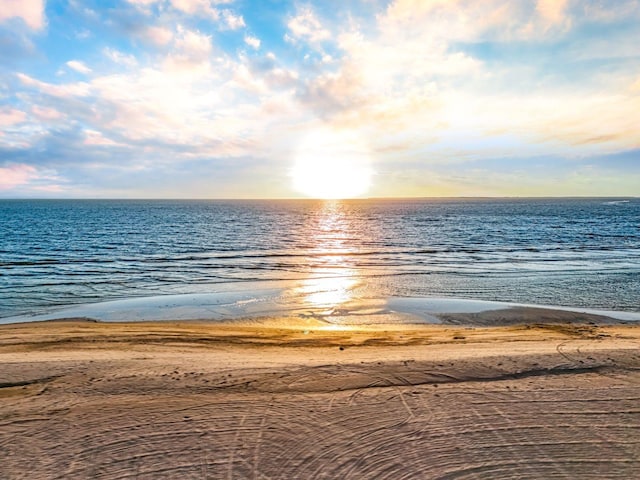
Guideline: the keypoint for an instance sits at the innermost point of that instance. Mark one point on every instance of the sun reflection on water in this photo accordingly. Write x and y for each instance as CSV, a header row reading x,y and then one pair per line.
x,y
328,292
332,279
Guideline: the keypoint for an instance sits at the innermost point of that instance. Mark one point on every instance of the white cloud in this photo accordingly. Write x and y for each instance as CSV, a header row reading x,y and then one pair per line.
x,y
200,8
11,116
413,89
244,80
187,97
197,7
280,78
15,175
28,178
77,89
232,20
202,111
194,43
159,36
191,49
552,10
78,66
306,26
119,57
46,113
469,20
191,6
252,41
93,137
143,3
30,11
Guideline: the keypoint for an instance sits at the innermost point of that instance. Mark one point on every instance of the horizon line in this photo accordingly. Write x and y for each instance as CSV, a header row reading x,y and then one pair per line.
x,y
485,197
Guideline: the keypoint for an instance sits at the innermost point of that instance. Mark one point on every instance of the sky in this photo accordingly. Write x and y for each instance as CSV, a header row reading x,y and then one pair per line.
x,y
213,98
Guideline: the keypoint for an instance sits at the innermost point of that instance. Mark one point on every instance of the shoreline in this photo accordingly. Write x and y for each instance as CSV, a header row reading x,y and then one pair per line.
x,y
327,303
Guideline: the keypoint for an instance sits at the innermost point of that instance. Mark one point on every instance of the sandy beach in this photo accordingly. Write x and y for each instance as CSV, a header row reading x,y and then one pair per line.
x,y
306,240
82,399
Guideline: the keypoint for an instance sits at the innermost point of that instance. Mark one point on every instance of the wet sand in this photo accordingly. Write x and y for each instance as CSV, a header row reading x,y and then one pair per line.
x,y
81,399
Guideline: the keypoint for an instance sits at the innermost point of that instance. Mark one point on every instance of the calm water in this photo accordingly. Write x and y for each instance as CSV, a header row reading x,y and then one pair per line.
x,y
582,252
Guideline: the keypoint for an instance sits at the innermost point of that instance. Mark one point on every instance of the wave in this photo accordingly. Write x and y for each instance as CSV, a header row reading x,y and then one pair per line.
x,y
389,254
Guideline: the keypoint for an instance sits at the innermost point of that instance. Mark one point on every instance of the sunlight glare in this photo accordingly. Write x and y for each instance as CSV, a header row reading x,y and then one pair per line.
x,y
332,164
328,292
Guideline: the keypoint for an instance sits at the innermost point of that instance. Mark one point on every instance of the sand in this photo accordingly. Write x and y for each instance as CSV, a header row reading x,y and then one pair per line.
x,y
81,399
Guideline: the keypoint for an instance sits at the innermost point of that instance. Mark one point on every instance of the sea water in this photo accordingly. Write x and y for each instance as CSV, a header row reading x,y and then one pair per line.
x,y
568,252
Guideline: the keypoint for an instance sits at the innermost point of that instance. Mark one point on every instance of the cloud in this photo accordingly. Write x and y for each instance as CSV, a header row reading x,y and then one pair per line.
x,y
93,137
143,3
195,6
281,78
156,35
46,113
306,26
183,104
120,58
191,49
78,66
207,9
76,89
252,41
332,93
232,21
22,178
552,10
412,74
603,12
30,11
266,75
14,175
11,116
192,6
436,87
193,43
466,20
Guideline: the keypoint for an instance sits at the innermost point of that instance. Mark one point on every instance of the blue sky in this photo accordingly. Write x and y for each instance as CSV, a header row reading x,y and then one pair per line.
x,y
211,99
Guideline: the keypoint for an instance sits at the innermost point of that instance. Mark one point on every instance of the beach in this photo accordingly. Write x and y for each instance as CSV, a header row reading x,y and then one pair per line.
x,y
292,398
291,240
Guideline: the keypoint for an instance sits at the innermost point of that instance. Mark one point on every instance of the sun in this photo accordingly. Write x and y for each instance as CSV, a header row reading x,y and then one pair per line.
x,y
332,164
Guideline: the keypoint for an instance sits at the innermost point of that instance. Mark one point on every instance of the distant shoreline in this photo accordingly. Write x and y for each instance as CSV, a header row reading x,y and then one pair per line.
x,y
240,199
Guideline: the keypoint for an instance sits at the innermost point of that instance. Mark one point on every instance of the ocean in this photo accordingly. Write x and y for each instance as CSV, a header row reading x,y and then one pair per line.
x,y
566,252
